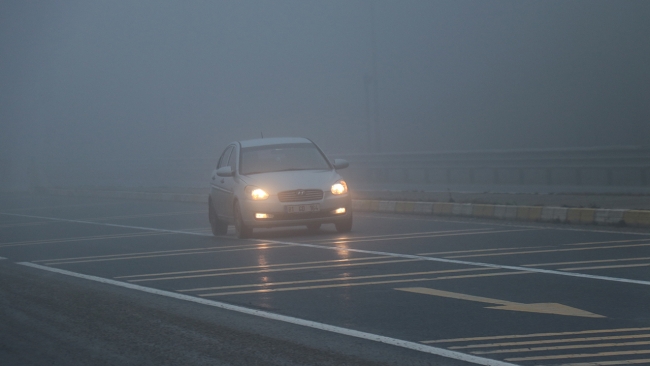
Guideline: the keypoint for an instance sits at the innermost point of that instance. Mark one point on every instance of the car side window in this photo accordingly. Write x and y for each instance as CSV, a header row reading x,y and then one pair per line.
x,y
223,161
231,161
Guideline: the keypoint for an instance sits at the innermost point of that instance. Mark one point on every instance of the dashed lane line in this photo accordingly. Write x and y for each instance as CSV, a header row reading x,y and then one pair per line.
x,y
551,341
606,267
477,264
178,253
437,232
345,265
107,224
564,347
158,214
79,238
610,363
579,355
287,319
146,253
538,335
417,236
547,251
355,284
585,262
335,279
259,267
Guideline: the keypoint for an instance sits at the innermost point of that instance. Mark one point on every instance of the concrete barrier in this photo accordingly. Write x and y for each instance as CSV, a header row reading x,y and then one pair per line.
x,y
635,218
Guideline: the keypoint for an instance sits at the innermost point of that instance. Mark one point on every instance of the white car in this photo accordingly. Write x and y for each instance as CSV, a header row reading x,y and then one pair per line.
x,y
273,182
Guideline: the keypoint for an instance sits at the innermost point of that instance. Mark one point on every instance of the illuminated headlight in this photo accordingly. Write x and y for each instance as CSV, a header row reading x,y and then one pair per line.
x,y
256,193
339,211
263,216
339,187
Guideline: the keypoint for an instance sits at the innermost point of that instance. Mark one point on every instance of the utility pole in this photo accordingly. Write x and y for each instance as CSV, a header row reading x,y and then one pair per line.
x,y
367,80
373,44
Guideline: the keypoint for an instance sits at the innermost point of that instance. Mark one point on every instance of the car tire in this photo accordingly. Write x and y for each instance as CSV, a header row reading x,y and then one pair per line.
x,y
242,230
313,227
345,225
218,226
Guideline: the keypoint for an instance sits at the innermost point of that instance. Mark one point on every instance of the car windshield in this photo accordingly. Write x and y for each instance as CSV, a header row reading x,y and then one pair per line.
x,y
283,157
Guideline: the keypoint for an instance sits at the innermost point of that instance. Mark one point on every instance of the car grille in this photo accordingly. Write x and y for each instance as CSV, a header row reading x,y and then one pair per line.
x,y
300,195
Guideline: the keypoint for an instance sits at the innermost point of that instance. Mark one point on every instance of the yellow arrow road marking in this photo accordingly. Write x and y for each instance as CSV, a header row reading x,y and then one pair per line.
x,y
545,308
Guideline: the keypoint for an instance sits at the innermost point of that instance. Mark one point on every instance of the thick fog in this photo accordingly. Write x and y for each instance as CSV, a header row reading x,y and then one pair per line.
x,y
180,79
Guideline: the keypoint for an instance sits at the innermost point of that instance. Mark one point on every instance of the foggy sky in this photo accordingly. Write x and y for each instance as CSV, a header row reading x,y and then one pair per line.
x,y
175,79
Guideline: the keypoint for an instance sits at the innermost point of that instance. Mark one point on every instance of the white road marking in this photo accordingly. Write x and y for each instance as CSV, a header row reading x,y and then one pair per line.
x,y
389,254
467,263
497,222
1,258
107,224
287,319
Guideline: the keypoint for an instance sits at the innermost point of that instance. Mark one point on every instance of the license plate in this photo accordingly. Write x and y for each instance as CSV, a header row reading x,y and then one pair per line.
x,y
302,208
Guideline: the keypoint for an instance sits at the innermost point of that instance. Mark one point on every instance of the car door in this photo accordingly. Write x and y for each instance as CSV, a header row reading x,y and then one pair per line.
x,y
219,190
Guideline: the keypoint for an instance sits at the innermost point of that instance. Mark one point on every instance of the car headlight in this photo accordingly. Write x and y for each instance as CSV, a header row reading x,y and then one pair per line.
x,y
339,187
256,194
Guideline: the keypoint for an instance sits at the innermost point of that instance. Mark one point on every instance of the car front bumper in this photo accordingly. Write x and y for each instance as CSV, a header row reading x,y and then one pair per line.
x,y
278,215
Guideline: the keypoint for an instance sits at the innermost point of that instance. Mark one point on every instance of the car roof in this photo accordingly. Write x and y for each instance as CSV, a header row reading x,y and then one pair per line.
x,y
274,141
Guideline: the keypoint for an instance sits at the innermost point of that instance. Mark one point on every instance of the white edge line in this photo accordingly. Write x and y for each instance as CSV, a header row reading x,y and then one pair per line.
x,y
107,224
287,319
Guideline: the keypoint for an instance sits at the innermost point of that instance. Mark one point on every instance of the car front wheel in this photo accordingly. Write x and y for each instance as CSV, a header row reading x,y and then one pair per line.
x,y
242,230
218,227
344,226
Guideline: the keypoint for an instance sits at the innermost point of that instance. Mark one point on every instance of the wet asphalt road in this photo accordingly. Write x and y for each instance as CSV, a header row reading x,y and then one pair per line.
x,y
486,291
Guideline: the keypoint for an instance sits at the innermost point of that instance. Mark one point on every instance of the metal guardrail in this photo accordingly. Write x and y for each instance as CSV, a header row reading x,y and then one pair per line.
x,y
611,166
579,166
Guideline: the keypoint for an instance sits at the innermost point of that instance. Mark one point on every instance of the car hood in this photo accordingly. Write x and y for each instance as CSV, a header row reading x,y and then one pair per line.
x,y
275,182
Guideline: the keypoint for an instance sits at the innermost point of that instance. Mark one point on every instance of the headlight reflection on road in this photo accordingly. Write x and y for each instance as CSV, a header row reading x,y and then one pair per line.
x,y
342,251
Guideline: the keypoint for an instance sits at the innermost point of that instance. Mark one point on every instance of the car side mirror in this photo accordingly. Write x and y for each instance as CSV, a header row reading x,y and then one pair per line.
x,y
225,171
341,164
